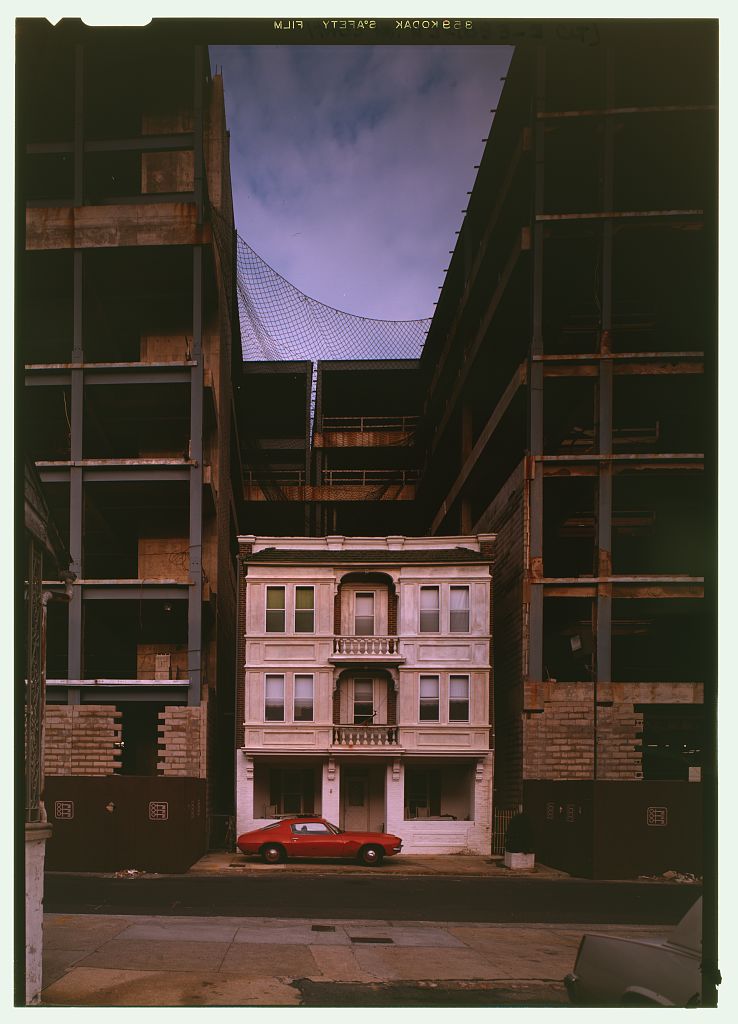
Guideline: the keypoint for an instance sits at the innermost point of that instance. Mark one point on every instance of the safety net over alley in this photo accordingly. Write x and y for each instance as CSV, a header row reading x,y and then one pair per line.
x,y
279,322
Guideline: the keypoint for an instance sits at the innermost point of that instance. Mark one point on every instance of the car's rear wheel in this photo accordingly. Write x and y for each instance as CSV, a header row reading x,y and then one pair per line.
x,y
272,853
371,856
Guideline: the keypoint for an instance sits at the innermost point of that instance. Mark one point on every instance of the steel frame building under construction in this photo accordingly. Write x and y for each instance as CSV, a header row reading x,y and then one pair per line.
x,y
561,401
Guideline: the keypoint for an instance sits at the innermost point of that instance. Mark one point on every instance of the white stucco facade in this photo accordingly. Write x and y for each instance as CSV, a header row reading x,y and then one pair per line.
x,y
366,686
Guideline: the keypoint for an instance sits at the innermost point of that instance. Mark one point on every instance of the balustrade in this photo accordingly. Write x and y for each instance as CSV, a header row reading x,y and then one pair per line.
x,y
365,736
369,646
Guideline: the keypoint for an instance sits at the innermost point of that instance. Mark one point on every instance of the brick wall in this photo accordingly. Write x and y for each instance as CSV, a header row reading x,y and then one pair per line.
x,y
81,739
558,731
505,518
558,728
182,741
618,742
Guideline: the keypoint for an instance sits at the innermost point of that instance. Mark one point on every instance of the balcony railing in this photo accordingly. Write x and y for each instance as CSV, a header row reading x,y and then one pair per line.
x,y
369,423
367,646
365,736
368,477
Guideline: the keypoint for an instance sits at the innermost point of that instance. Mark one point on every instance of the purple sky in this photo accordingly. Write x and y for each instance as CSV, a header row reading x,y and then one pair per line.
x,y
351,164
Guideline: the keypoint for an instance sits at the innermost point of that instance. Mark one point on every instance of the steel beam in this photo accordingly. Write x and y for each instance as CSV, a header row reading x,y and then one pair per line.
x,y
122,591
517,381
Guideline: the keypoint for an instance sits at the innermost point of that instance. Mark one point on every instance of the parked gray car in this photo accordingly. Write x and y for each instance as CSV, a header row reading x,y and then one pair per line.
x,y
614,971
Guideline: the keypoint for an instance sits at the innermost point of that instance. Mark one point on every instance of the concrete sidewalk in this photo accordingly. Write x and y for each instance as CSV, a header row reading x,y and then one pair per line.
x,y
236,863
95,960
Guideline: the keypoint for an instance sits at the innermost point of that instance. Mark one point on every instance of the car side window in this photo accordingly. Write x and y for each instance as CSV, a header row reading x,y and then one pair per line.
x,y
310,828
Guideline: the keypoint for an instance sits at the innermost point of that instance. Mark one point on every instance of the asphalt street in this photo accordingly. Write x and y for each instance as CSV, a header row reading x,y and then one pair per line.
x,y
373,897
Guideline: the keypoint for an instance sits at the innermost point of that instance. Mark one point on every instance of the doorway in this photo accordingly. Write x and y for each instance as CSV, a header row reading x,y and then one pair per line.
x,y
363,798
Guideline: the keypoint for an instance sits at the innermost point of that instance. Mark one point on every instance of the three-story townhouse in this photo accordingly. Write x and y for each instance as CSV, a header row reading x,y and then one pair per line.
x,y
365,694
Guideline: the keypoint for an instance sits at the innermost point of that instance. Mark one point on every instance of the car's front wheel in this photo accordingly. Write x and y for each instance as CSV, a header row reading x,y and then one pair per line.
x,y
272,853
371,856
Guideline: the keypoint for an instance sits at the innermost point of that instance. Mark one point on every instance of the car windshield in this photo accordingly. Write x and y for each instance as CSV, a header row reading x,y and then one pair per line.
x,y
334,828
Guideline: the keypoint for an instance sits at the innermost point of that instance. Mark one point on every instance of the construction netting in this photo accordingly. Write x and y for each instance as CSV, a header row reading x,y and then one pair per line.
x,y
280,322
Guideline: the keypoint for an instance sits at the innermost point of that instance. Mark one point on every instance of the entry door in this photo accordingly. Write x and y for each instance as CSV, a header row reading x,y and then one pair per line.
x,y
355,799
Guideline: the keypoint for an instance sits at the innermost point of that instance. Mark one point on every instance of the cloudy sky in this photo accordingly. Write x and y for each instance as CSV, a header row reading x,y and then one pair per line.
x,y
351,164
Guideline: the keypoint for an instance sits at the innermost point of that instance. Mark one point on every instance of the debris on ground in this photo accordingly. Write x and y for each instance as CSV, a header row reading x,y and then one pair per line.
x,y
672,876
128,873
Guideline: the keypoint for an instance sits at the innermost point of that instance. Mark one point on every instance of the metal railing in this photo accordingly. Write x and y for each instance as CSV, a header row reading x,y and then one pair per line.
x,y
369,423
288,477
369,477
499,830
365,736
369,646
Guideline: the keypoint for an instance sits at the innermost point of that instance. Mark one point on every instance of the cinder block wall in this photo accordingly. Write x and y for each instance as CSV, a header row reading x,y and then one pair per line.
x,y
81,739
559,734
182,741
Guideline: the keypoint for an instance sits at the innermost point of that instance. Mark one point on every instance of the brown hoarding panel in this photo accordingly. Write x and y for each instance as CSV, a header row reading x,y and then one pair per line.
x,y
114,823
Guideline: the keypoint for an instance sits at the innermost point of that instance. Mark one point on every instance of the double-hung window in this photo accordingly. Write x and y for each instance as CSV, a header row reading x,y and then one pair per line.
x,y
430,610
363,701
364,615
303,711
458,699
274,698
275,610
304,610
429,698
459,610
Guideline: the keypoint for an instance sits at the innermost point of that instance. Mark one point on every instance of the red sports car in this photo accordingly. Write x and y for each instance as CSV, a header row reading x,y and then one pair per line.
x,y
316,837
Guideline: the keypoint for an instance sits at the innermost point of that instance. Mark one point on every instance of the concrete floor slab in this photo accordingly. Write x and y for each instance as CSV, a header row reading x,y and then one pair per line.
x,y
174,930
155,955
91,986
289,934
416,963
270,961
81,931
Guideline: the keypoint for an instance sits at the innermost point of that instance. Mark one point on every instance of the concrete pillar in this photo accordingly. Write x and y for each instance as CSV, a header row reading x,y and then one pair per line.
x,y
36,835
395,797
330,798
244,792
483,804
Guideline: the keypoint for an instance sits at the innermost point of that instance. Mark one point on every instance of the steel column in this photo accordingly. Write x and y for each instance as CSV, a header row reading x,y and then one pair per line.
x,y
535,397
35,689
198,133
603,566
194,608
76,494
79,128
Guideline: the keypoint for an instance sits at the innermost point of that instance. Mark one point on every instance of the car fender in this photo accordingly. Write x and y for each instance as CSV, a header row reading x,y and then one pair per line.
x,y
640,994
